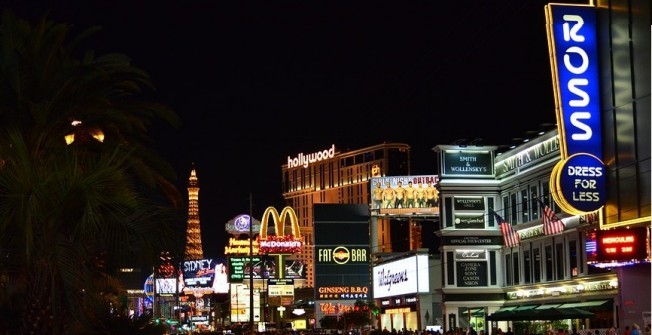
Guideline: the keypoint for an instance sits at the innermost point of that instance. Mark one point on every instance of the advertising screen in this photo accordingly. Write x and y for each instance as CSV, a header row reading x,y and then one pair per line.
x,y
408,195
295,269
166,286
200,272
241,267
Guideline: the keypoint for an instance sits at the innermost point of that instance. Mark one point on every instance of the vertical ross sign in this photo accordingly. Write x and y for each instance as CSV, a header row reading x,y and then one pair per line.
x,y
578,181
279,243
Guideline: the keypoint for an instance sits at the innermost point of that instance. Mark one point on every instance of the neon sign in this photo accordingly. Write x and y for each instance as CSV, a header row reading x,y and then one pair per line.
x,y
279,243
622,244
578,181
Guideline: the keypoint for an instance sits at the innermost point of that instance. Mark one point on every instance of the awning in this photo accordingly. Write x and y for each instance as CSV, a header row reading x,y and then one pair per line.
x,y
505,309
532,312
547,306
525,307
593,304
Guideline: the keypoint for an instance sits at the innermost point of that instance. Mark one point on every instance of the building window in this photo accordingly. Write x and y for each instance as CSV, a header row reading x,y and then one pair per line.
x,y
549,270
525,213
534,193
527,267
559,253
536,255
513,217
508,270
517,279
573,259
505,207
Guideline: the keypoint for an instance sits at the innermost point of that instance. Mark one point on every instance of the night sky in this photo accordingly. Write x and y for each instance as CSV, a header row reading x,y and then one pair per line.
x,y
257,81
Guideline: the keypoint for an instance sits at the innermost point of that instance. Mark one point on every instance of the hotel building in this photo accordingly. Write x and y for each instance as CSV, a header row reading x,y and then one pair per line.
x,y
335,177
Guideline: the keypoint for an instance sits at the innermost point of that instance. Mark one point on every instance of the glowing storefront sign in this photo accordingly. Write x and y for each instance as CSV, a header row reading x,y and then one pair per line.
x,y
279,243
241,247
578,181
405,276
305,160
342,255
622,244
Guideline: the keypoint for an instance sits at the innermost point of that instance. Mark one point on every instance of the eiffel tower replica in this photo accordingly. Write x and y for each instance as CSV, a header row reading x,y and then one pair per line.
x,y
193,248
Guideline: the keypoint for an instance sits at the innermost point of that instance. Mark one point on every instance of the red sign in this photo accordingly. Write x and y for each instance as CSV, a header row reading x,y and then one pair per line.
x,y
622,244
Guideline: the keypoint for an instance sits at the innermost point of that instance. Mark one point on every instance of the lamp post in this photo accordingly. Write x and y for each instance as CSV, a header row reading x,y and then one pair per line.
x,y
251,269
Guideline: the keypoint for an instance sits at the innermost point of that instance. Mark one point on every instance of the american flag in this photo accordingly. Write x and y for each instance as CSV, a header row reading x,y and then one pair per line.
x,y
551,223
510,236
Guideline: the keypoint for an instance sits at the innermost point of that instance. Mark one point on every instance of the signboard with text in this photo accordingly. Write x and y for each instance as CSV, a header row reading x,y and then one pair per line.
x,y
622,244
468,163
578,181
341,252
405,276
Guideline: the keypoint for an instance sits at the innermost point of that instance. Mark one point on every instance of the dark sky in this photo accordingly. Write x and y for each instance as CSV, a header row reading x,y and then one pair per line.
x,y
257,81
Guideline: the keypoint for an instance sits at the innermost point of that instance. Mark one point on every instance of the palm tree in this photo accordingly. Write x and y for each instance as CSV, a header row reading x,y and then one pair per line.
x,y
70,212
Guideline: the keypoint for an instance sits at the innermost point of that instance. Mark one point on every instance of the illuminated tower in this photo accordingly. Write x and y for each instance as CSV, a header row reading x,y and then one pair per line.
x,y
193,232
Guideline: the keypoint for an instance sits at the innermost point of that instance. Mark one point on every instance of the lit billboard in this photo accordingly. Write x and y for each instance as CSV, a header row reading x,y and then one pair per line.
x,y
405,276
408,195
295,269
240,268
204,275
198,273
622,245
166,286
342,256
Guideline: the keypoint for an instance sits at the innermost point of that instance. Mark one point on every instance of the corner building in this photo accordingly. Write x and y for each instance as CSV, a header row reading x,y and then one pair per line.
x,y
580,269
334,177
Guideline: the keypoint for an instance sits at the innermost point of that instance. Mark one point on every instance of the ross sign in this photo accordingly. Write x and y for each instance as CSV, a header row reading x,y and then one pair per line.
x,y
471,274
578,181
280,243
406,276
468,163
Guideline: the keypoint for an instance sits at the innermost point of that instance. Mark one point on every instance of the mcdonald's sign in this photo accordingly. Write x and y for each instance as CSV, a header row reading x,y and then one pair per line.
x,y
280,243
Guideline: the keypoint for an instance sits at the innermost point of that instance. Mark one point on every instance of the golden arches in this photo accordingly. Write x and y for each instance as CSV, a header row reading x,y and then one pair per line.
x,y
279,222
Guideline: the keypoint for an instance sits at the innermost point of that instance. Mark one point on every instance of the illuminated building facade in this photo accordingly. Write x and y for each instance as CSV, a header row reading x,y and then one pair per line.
x,y
193,248
598,267
335,177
